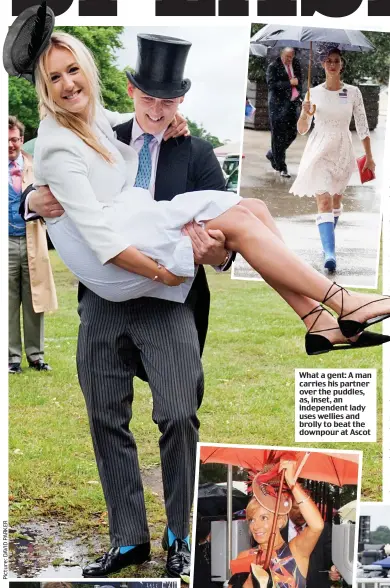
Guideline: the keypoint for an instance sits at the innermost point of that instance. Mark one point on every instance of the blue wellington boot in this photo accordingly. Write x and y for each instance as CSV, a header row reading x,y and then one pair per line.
x,y
325,223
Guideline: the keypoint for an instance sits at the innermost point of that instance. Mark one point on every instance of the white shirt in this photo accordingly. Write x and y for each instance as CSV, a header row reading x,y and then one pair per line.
x,y
137,142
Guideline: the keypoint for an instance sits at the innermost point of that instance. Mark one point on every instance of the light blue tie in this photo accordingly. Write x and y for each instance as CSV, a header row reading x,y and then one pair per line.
x,y
144,164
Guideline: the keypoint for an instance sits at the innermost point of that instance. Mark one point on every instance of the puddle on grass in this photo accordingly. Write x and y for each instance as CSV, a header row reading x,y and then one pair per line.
x,y
38,549
45,549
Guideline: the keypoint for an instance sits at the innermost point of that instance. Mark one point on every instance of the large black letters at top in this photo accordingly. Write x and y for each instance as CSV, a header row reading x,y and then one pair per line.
x,y
276,8
378,8
233,7
86,7
185,8
331,8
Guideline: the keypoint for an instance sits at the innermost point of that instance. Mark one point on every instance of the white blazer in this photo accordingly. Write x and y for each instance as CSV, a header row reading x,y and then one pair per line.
x,y
83,182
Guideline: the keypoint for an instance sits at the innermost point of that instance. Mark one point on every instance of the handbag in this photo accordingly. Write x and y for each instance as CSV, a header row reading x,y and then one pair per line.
x,y
365,175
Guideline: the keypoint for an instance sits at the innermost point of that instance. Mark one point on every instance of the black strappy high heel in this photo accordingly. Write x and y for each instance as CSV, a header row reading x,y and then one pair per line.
x,y
316,344
351,328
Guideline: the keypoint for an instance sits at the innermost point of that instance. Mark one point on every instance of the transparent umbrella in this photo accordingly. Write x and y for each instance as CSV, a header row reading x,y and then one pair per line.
x,y
304,37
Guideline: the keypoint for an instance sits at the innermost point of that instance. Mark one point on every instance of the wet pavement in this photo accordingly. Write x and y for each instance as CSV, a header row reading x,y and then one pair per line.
x,y
48,549
358,230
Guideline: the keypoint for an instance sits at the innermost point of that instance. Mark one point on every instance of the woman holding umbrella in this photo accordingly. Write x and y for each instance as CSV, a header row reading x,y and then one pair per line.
x,y
288,562
328,160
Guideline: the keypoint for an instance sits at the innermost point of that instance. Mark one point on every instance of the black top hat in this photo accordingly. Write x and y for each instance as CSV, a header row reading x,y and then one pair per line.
x,y
160,66
27,38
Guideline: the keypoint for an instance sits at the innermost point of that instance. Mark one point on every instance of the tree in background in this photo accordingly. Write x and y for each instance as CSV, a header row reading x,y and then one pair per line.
x,y
257,66
359,66
103,43
200,131
374,64
380,535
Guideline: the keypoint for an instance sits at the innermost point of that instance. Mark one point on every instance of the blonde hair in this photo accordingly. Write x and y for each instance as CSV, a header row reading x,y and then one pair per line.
x,y
254,504
47,105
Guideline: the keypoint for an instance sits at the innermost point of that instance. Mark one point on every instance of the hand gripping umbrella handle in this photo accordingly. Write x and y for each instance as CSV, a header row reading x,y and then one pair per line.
x,y
311,112
271,542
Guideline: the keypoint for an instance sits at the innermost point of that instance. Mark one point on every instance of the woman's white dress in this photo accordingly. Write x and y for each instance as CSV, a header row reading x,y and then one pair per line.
x,y
104,214
328,160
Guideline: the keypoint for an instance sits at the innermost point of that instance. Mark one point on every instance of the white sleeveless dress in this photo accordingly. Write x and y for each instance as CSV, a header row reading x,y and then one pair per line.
x,y
328,160
104,214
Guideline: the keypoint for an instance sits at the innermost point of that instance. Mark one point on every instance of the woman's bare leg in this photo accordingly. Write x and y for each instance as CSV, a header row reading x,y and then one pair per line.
x,y
302,305
337,207
337,198
279,266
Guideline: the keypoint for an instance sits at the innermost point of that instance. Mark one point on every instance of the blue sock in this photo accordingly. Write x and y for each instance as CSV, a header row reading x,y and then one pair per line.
x,y
126,548
172,537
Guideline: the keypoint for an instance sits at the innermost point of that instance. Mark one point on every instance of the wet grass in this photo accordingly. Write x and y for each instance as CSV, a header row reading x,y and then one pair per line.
x,y
254,344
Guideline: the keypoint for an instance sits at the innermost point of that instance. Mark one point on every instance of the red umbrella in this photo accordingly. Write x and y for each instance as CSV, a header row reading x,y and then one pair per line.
x,y
333,467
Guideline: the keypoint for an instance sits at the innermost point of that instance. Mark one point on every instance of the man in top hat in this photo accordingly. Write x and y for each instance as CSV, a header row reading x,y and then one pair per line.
x,y
149,337
284,80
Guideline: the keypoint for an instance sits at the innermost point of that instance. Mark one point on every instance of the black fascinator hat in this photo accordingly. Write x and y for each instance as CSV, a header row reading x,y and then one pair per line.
x,y
26,40
325,49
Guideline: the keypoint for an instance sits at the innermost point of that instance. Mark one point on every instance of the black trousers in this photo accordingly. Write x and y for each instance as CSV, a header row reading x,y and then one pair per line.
x,y
283,121
113,338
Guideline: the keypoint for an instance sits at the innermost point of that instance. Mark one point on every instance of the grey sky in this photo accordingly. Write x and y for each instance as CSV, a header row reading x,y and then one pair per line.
x,y
379,513
217,67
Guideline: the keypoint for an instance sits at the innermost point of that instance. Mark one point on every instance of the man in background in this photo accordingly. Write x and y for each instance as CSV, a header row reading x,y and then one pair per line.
x,y
284,80
30,281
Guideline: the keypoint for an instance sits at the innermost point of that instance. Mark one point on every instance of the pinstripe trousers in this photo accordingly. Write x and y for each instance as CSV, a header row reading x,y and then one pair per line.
x,y
113,338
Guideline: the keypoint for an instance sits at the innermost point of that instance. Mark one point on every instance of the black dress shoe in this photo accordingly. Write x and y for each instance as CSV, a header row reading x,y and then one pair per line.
x,y
179,561
39,365
113,561
14,368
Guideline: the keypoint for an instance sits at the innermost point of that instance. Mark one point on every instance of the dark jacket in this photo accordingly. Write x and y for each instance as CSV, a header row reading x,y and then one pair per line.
x,y
279,87
186,164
